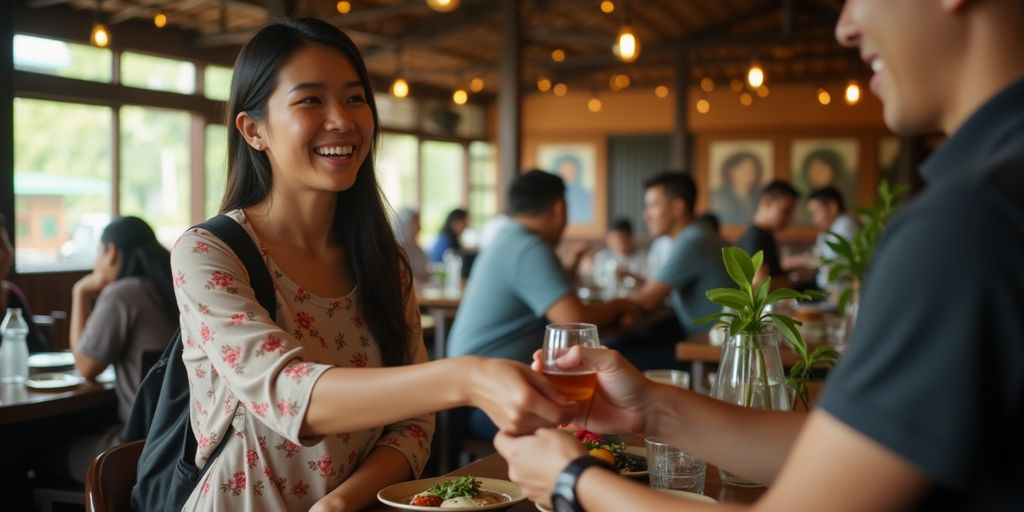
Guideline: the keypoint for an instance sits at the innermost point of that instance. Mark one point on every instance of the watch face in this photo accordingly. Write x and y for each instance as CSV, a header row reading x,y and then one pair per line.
x,y
562,504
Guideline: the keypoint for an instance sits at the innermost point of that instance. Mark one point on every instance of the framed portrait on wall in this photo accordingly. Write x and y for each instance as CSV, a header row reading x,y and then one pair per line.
x,y
581,164
817,163
737,170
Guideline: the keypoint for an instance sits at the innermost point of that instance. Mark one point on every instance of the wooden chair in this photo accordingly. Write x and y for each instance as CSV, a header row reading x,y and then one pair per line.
x,y
108,484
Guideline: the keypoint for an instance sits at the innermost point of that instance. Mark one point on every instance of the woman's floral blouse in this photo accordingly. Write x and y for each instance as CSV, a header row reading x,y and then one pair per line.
x,y
251,379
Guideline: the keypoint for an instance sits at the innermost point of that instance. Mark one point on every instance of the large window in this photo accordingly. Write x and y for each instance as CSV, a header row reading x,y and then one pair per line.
x,y
62,166
217,82
155,165
396,169
442,168
483,183
158,73
71,60
216,167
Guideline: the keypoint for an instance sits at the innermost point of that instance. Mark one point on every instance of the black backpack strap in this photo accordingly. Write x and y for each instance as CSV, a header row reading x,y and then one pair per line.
x,y
238,240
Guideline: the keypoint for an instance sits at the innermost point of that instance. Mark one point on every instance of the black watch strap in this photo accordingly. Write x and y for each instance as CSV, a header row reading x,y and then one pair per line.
x,y
563,497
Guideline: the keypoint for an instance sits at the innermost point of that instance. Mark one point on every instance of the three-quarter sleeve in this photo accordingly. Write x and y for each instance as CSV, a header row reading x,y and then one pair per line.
x,y
229,336
412,437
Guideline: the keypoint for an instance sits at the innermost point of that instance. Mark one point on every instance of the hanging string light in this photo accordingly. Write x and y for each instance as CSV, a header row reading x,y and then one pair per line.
x,y
343,7
561,89
755,75
746,99
558,55
443,5
100,35
607,6
661,91
543,83
852,93
823,96
476,84
707,84
160,19
703,106
399,87
594,104
460,97
627,45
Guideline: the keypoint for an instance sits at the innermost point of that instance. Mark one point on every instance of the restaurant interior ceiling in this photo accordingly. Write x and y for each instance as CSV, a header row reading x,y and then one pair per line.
x,y
792,40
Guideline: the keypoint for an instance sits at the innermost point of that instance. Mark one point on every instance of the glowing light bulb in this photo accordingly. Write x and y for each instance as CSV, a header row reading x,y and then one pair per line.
x,y
627,45
746,99
558,55
460,97
400,88
160,19
607,6
661,91
543,84
100,35
594,105
619,82
443,5
343,7
707,84
852,94
703,106
762,92
823,96
561,89
476,84
755,76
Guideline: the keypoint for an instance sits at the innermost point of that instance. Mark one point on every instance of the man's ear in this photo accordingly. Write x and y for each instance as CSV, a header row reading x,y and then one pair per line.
x,y
251,130
678,207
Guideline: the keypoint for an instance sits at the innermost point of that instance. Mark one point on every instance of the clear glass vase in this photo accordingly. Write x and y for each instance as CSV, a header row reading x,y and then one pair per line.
x,y
750,374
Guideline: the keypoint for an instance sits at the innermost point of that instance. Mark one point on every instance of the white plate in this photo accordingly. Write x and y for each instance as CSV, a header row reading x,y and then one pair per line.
x,y
51,381
51,360
641,452
692,496
399,495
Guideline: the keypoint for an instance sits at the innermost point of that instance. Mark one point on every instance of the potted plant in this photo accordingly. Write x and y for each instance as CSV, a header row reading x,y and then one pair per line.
x,y
750,372
853,256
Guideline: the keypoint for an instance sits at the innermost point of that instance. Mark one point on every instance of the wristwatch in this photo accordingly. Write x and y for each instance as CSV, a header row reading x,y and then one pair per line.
x,y
563,496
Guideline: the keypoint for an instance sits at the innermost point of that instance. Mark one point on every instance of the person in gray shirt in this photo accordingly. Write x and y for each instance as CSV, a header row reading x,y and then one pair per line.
x,y
518,285
123,313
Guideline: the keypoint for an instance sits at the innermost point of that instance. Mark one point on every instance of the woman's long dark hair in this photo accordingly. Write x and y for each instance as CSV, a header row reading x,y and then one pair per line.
x,y
360,219
447,229
142,256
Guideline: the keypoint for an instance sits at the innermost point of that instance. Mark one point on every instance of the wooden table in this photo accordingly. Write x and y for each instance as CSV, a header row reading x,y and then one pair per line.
x,y
698,350
19,404
494,466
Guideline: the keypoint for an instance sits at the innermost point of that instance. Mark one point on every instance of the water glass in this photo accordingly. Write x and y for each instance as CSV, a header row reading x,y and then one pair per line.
x,y
575,383
670,377
671,468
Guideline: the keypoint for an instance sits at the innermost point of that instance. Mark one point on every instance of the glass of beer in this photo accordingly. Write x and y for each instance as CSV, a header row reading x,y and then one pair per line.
x,y
574,383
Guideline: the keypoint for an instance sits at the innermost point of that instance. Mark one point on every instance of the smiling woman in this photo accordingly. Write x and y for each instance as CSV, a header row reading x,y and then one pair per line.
x,y
290,416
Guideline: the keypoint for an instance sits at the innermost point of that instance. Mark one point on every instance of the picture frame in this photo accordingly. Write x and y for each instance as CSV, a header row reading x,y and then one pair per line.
x,y
820,162
737,171
582,163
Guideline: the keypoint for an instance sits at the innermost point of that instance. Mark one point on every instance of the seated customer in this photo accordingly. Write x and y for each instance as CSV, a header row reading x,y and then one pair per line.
x,y
407,231
124,314
518,285
828,214
448,238
774,212
12,297
620,258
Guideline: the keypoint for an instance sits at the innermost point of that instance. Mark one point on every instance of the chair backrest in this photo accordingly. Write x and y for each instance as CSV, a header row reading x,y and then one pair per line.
x,y
108,484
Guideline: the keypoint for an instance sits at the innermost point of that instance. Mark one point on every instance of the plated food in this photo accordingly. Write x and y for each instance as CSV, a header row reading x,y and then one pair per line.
x,y
53,381
465,493
629,461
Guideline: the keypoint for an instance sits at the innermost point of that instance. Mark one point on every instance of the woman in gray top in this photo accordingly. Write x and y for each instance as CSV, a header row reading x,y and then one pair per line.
x,y
122,313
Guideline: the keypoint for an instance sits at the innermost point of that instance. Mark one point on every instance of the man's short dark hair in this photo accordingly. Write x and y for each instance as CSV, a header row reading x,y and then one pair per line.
x,y
676,185
622,224
533,192
711,221
828,195
779,189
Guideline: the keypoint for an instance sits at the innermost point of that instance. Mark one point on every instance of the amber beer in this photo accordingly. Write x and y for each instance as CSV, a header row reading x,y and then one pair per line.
x,y
574,385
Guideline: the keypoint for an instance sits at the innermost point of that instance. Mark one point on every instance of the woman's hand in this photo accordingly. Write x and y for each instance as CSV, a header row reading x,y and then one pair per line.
x,y
90,286
535,461
517,400
620,401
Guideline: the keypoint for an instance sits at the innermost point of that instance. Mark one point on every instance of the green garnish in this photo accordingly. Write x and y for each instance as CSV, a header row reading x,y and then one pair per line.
x,y
466,486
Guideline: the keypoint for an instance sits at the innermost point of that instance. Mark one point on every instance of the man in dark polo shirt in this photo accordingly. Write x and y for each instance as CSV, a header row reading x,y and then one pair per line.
x,y
926,409
774,212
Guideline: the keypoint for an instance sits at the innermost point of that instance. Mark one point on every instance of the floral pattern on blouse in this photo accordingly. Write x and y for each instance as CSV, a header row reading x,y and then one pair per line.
x,y
251,380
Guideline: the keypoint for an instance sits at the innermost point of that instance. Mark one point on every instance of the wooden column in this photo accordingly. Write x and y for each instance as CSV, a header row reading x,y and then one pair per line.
x,y
680,156
509,100
7,115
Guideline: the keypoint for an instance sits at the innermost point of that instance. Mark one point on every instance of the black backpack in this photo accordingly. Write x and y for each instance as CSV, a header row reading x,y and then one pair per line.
x,y
167,474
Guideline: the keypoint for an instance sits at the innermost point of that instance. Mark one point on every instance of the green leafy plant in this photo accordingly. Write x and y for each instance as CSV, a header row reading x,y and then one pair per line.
x,y
467,486
747,311
853,256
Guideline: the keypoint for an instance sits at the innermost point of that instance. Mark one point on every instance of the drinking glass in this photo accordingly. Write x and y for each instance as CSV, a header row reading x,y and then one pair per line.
x,y
576,383
670,377
671,468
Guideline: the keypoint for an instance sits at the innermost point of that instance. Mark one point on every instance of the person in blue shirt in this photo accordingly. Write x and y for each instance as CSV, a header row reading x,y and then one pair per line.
x,y
448,238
